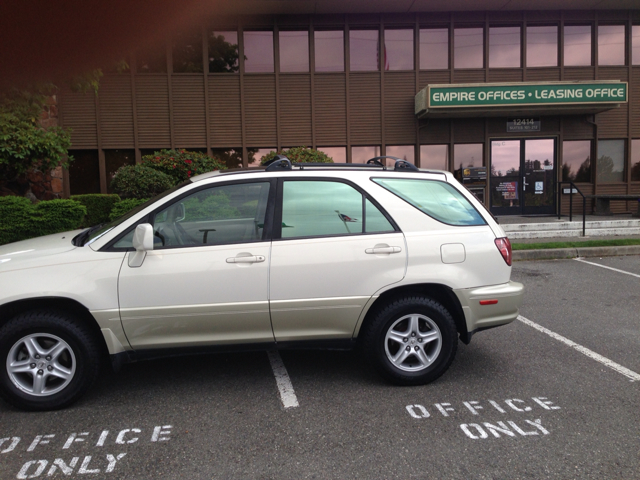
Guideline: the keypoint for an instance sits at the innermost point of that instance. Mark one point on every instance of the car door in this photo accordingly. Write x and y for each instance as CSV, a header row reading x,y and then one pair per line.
x,y
334,249
205,281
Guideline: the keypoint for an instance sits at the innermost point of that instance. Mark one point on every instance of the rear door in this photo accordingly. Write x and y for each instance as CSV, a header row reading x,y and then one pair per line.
x,y
336,247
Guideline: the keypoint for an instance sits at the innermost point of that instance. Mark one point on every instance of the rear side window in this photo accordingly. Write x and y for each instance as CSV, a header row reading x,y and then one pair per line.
x,y
437,199
321,208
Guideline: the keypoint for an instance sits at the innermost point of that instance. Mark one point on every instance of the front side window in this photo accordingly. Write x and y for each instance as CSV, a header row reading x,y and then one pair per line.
x,y
294,51
610,161
611,45
220,215
321,208
437,199
504,47
577,45
468,48
258,52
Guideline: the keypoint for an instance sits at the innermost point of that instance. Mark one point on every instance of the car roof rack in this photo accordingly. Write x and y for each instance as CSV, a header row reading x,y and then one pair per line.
x,y
281,162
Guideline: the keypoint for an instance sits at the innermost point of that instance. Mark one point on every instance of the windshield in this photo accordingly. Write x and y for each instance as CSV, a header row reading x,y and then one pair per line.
x,y
94,233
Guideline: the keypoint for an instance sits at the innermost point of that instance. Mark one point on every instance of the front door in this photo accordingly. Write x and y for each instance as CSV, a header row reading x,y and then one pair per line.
x,y
523,176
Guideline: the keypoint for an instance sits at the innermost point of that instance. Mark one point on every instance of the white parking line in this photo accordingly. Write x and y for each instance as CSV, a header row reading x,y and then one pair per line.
x,y
589,353
608,268
287,394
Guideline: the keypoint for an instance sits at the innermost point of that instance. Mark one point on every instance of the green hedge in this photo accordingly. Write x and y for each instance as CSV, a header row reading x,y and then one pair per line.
x,y
21,219
182,164
140,181
98,206
124,206
299,155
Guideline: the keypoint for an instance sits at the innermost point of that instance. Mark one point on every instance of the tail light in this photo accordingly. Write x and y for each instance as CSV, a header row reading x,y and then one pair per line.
x,y
504,245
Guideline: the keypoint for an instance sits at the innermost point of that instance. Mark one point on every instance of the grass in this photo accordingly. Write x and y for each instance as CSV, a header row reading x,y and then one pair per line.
x,y
586,243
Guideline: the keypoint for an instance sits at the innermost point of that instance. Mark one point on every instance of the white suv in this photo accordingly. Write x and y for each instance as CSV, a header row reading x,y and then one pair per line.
x,y
401,262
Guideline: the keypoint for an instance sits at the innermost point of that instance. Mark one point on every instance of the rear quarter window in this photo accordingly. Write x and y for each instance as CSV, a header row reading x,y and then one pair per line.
x,y
437,199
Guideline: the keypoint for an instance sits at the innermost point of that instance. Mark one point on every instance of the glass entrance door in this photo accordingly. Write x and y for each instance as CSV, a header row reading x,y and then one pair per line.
x,y
523,176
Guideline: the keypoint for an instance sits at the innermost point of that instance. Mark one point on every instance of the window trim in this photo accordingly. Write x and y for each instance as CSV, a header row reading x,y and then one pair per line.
x,y
149,218
277,219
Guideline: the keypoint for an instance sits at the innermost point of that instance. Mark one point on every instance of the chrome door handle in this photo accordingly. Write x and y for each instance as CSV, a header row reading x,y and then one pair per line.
x,y
248,259
380,249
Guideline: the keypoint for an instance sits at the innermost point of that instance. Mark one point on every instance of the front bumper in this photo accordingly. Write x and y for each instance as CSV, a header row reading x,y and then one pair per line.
x,y
505,310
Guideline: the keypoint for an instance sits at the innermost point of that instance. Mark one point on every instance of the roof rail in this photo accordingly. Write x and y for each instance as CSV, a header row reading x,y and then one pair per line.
x,y
400,164
279,162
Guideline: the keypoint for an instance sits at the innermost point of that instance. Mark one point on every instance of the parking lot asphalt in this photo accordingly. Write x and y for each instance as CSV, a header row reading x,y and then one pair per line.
x,y
517,403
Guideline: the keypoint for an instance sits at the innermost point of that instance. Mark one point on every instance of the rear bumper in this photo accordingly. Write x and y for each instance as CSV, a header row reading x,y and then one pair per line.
x,y
480,317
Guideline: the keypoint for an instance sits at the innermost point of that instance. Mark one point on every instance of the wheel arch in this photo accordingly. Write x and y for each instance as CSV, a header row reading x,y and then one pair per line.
x,y
58,304
438,292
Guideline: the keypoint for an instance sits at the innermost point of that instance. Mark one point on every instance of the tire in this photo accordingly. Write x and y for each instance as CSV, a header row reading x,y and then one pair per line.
x,y
48,361
411,340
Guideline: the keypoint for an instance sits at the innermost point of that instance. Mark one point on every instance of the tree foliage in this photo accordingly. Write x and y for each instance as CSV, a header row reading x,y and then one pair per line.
x,y
24,143
300,155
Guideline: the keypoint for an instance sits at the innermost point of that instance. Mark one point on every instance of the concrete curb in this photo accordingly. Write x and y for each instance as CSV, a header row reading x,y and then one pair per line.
x,y
559,253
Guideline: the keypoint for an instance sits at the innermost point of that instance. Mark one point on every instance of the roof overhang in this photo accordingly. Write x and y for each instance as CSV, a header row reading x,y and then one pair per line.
x,y
514,99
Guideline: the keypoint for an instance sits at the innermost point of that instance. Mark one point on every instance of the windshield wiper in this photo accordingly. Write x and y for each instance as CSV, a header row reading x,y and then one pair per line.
x,y
80,239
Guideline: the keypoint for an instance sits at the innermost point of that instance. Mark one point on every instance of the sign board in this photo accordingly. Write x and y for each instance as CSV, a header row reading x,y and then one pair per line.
x,y
526,98
567,191
523,125
483,95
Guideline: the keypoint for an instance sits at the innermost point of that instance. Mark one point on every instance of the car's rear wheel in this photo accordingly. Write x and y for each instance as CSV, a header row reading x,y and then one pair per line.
x,y
411,340
50,360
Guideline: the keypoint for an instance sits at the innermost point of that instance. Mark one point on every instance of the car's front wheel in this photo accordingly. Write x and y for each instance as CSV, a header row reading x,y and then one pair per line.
x,y
411,340
50,360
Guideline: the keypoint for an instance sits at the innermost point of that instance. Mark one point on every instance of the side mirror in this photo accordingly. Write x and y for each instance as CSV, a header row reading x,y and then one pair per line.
x,y
142,242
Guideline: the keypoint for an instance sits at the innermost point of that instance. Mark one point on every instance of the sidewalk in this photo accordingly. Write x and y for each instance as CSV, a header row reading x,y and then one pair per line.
x,y
574,252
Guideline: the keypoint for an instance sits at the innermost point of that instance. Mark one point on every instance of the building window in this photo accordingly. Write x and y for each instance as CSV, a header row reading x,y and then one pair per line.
x,y
504,47
403,152
294,51
610,161
362,154
84,172
468,48
434,48
363,50
231,157
635,160
256,155
329,50
468,155
114,159
635,45
258,52
152,60
338,154
398,49
187,53
577,45
542,46
576,161
434,156
223,52
611,45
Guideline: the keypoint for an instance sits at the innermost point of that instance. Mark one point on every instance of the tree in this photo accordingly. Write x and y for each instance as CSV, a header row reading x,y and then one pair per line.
x,y
24,143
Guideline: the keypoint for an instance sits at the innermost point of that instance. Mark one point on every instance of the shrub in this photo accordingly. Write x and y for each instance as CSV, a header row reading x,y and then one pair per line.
x,y
300,155
140,181
182,164
21,219
98,206
124,206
